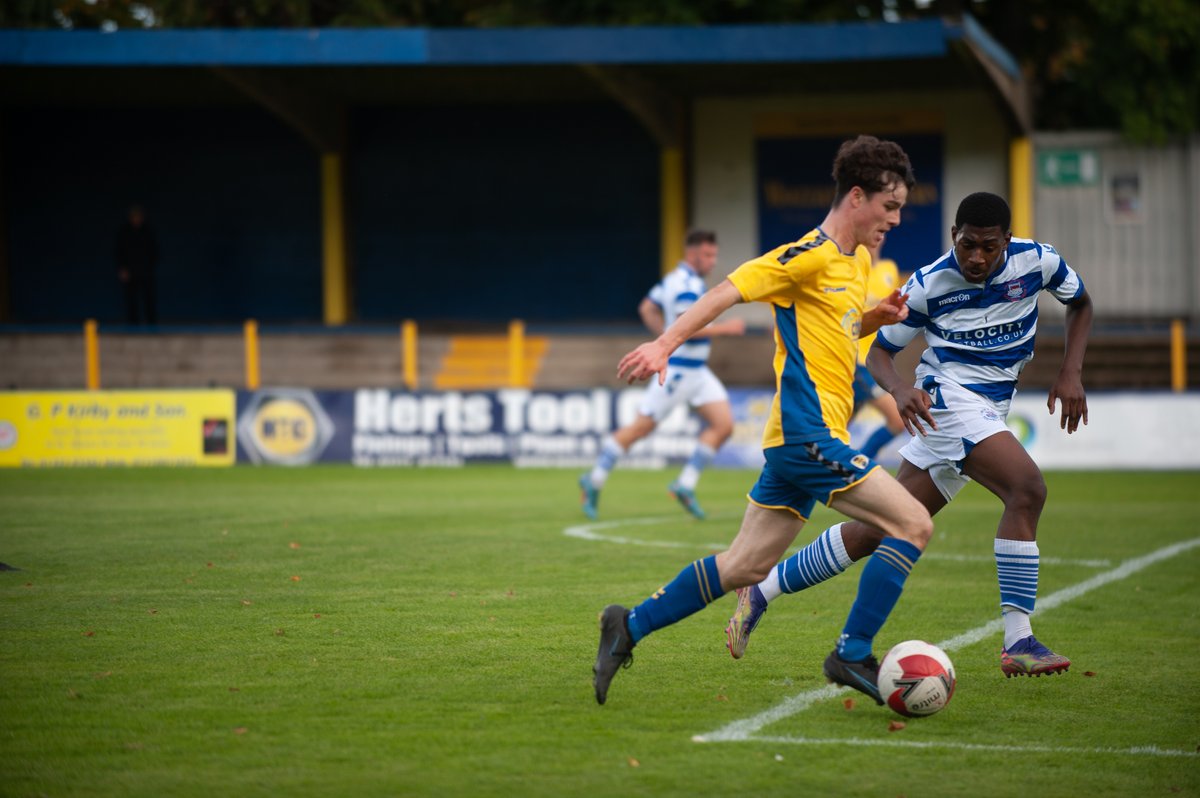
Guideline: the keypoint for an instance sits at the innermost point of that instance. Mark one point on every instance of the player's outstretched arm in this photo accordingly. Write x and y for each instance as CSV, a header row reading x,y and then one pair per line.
x,y
1068,387
892,310
912,403
651,357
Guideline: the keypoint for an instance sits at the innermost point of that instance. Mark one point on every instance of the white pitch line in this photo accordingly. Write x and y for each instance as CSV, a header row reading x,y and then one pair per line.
x,y
1143,750
745,729
593,533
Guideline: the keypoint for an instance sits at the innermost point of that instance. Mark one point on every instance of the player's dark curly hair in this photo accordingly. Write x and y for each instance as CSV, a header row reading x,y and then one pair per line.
x,y
871,164
982,209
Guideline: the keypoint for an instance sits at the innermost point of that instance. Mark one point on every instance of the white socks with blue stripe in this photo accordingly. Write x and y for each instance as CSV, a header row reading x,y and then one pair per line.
x,y
1017,564
822,559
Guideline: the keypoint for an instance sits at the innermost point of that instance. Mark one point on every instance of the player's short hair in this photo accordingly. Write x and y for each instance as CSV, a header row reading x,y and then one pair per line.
x,y
871,164
982,209
697,237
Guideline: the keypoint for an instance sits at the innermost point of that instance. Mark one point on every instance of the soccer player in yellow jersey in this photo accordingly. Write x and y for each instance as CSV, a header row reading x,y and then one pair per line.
x,y
816,287
884,279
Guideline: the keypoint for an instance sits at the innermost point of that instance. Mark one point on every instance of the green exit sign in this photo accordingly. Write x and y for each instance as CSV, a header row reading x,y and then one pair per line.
x,y
1068,167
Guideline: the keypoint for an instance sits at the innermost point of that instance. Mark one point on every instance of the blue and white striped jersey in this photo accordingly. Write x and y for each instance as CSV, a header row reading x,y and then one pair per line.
x,y
675,293
981,336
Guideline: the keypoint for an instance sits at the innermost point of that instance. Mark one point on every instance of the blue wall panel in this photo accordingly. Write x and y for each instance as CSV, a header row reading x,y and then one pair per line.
x,y
234,197
490,213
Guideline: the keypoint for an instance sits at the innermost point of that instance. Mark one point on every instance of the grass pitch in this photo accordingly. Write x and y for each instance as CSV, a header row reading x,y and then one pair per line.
x,y
331,631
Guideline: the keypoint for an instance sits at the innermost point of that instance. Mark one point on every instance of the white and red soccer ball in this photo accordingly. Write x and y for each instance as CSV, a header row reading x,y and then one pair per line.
x,y
916,678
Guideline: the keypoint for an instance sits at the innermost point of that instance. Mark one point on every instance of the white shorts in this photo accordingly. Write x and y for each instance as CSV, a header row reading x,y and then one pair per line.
x,y
964,418
696,385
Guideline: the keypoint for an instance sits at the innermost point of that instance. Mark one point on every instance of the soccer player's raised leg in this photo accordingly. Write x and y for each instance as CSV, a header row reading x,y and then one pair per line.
x,y
1001,464
718,418
614,446
829,554
764,536
881,501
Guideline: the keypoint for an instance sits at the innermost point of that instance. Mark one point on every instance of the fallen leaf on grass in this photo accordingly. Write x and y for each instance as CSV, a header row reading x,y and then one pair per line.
x,y
293,545
453,594
235,689
633,763
208,565
246,602
154,612
721,697
316,615
896,725
279,633
510,593
29,584
240,730
89,633
295,579
1089,673
103,675
848,703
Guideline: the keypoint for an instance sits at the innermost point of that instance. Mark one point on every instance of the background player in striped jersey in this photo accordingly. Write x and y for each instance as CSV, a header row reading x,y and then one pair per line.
x,y
689,379
816,287
977,306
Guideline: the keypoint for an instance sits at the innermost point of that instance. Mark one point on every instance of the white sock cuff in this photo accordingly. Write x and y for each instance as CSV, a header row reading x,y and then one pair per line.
x,y
706,450
610,444
834,536
1023,547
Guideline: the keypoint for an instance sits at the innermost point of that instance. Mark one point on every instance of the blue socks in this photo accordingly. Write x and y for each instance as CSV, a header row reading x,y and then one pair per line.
x,y
697,586
878,591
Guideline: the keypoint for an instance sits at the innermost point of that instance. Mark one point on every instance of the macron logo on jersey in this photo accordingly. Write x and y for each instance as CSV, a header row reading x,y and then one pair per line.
x,y
953,299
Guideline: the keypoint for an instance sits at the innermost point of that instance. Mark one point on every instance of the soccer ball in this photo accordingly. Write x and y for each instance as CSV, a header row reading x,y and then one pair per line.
x,y
916,678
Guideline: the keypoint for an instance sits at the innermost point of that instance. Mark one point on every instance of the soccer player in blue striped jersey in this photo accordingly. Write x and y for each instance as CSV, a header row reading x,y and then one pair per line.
x,y
977,306
689,380
816,287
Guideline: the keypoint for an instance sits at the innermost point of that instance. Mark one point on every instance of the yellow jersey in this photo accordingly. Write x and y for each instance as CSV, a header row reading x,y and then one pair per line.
x,y
817,293
884,279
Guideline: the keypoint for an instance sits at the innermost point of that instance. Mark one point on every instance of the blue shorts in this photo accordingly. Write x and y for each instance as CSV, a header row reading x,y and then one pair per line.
x,y
864,387
799,475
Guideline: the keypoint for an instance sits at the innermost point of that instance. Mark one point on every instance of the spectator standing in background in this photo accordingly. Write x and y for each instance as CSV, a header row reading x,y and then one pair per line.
x,y
137,255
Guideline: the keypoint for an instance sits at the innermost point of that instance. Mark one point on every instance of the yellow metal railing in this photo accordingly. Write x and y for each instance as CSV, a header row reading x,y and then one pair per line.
x,y
250,338
408,346
91,351
1178,356
472,362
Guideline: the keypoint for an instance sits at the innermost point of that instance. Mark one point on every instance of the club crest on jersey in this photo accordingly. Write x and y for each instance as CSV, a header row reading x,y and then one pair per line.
x,y
1014,291
859,461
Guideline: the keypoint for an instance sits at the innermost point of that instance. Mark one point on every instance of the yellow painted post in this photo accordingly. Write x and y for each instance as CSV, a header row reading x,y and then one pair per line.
x,y
408,338
1178,357
673,205
333,240
250,338
91,351
1020,186
516,353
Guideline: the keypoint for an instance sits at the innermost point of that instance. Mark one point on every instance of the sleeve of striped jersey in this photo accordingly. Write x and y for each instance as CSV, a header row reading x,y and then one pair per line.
x,y
657,294
895,337
1060,279
763,278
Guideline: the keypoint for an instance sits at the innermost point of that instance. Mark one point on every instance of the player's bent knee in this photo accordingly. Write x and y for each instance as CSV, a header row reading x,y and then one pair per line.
x,y
1028,495
914,525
